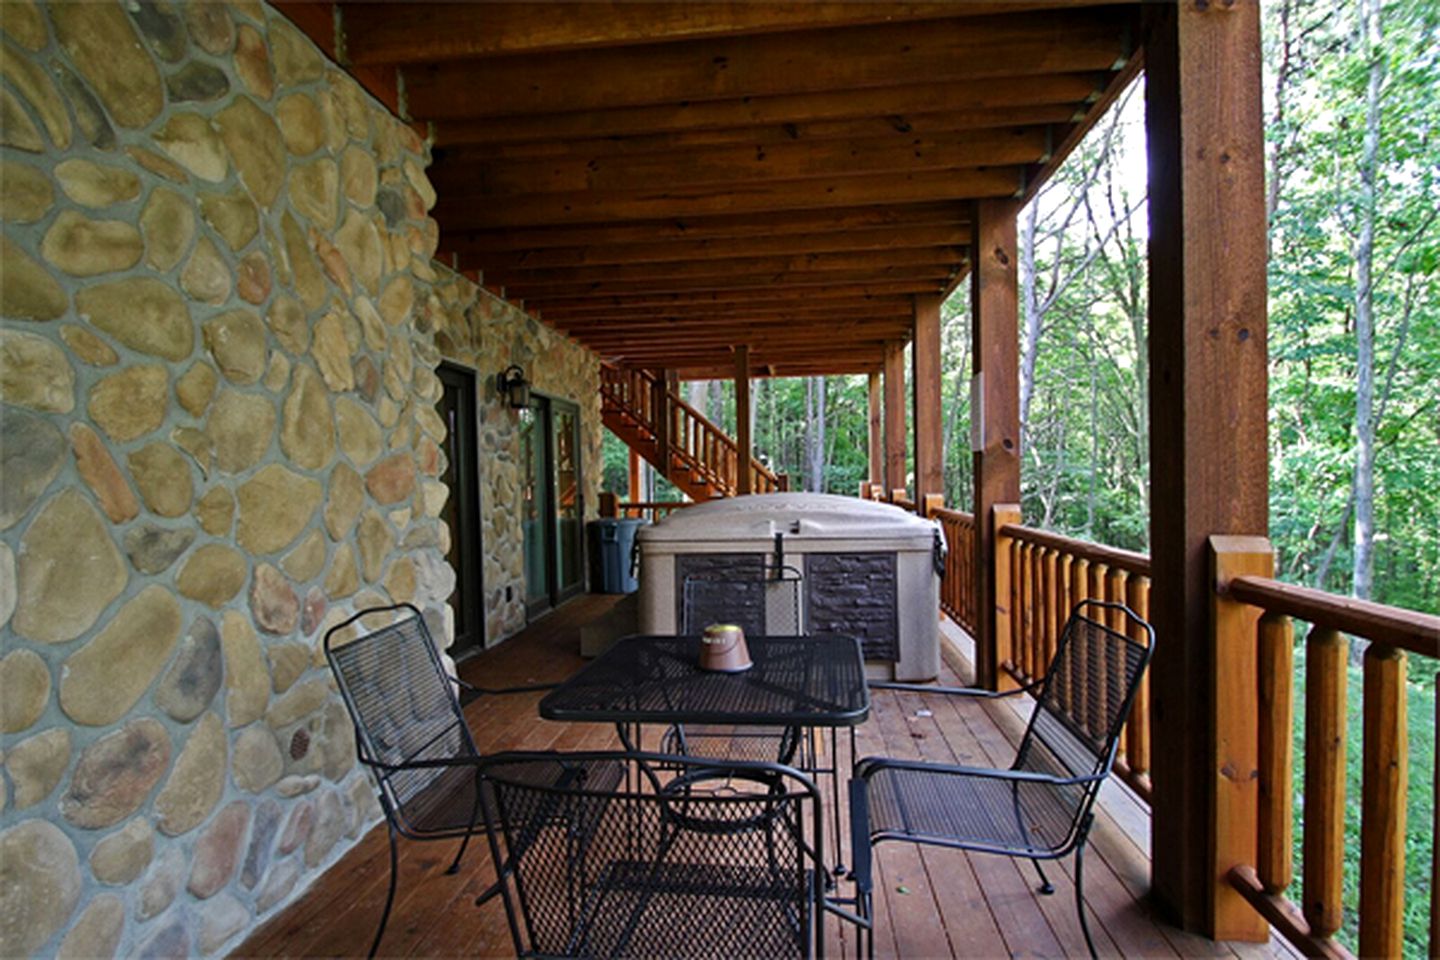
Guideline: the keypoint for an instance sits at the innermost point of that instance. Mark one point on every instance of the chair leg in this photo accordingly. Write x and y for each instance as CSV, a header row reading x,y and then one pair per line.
x,y
1046,887
454,867
390,896
1080,897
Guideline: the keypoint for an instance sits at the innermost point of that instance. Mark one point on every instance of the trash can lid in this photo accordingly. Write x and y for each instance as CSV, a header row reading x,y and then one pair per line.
x,y
811,515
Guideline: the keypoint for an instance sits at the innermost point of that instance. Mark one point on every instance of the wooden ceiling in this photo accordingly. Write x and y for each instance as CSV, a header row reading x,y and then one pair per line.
x,y
663,181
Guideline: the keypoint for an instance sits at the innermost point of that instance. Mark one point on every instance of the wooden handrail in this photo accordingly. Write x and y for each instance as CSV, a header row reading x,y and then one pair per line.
x,y
1392,632
1047,576
1127,560
1392,626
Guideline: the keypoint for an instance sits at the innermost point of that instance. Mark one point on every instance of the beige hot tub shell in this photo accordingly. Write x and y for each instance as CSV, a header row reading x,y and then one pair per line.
x,y
811,524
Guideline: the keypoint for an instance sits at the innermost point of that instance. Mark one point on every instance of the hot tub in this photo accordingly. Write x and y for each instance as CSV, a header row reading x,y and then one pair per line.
x,y
870,570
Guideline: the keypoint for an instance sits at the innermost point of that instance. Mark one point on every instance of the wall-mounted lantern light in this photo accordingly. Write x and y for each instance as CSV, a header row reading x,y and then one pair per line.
x,y
513,386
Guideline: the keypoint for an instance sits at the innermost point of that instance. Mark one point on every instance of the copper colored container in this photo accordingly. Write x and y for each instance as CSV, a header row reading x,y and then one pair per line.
x,y
723,649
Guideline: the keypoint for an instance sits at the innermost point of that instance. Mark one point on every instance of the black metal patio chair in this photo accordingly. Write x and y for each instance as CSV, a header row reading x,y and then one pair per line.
x,y
697,858
1039,808
411,734
761,601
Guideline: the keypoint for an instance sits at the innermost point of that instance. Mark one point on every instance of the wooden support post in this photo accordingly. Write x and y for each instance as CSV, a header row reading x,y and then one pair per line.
x,y
877,432
744,475
660,406
1209,459
895,426
994,306
1005,583
609,505
925,376
1235,682
637,492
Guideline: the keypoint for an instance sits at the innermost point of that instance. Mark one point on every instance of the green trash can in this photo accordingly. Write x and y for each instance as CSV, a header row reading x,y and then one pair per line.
x,y
612,543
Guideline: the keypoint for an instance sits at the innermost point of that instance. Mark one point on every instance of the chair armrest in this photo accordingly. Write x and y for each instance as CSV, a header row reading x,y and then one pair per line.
x,y
975,692
870,765
496,691
437,763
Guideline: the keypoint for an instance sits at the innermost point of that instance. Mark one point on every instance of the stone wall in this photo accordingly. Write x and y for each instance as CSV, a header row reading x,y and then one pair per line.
x,y
481,331
218,437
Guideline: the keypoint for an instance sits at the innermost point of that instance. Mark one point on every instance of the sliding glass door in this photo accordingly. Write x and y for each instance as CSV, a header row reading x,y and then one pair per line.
x,y
552,502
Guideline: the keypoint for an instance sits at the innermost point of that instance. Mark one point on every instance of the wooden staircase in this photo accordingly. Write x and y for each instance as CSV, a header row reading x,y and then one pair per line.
x,y
675,438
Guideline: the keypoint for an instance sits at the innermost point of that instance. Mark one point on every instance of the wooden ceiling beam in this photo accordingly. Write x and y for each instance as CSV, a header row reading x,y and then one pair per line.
x,y
850,241
699,361
790,115
918,278
772,347
789,63
599,206
435,32
754,225
861,128
888,126
781,371
777,328
835,291
858,262
800,307
463,179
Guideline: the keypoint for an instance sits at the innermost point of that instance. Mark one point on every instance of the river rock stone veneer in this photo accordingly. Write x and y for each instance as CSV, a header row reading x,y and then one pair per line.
x,y
219,326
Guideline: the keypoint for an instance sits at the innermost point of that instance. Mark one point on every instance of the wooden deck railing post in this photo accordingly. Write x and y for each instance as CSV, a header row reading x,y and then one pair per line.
x,y
660,410
1001,648
609,505
1324,840
1277,752
1234,787
1382,825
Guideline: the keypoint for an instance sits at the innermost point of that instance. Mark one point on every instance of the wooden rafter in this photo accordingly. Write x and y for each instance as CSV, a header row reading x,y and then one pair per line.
x,y
799,116
431,32
666,180
769,65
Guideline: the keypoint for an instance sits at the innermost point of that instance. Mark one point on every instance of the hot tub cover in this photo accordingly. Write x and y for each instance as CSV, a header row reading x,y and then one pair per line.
x,y
811,516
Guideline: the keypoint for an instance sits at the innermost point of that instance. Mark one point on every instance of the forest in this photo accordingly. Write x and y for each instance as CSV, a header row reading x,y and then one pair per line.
x,y
1352,113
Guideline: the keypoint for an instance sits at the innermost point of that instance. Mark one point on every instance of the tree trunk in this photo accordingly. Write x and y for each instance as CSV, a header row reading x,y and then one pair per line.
x,y
1362,573
1030,304
815,434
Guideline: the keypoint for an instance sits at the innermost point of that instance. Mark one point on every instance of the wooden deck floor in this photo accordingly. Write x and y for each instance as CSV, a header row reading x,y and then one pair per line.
x,y
931,903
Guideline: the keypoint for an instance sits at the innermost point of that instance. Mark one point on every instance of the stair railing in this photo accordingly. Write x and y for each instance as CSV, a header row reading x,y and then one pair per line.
x,y
692,439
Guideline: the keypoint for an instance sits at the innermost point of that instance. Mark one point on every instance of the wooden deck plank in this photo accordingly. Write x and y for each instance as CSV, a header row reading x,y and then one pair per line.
x,y
957,904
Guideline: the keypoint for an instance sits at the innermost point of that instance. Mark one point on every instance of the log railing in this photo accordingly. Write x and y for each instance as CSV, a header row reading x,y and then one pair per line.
x,y
1043,575
1392,634
957,586
684,437
653,510
1048,574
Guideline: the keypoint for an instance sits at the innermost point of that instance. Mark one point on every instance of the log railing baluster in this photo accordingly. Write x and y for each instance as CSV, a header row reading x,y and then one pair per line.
x,y
1382,827
1137,728
1277,751
1324,840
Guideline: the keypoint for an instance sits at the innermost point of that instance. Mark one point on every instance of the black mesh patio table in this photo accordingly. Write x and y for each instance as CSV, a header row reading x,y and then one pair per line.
x,y
815,681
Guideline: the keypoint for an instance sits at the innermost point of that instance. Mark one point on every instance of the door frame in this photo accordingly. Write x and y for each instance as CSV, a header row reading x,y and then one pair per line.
x,y
467,508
